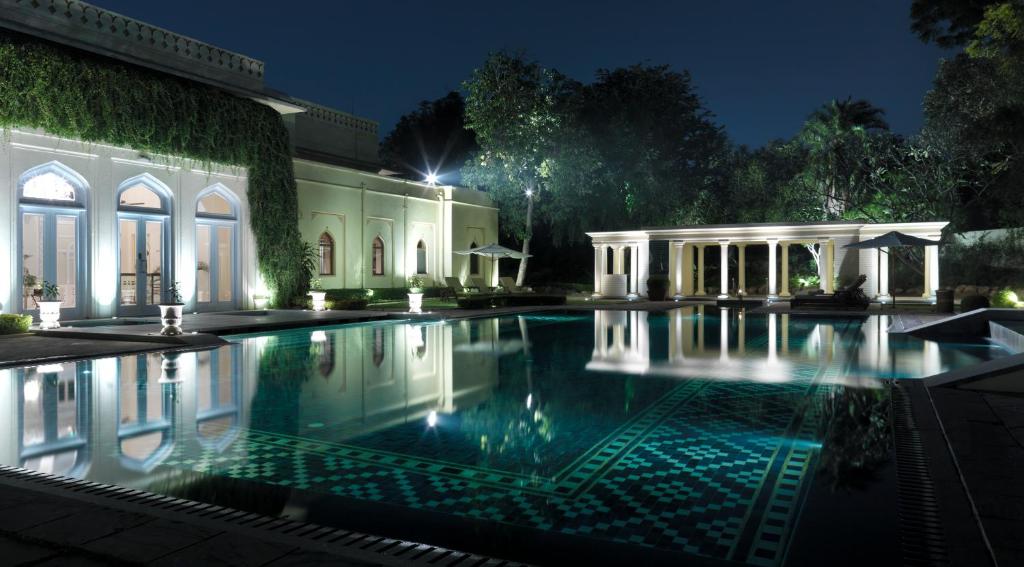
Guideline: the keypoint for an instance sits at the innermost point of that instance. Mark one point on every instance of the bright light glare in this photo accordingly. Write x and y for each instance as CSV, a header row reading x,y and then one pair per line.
x,y
432,418
31,390
529,401
529,192
318,337
431,178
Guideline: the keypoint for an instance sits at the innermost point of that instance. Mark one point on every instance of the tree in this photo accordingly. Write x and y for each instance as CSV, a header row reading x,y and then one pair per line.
x,y
514,107
427,139
835,136
658,146
948,23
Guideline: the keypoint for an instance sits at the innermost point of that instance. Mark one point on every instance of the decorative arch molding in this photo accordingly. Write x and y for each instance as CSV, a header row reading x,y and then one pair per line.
x,y
72,177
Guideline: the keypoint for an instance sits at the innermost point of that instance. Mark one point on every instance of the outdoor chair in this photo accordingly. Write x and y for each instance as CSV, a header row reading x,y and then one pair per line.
x,y
478,283
509,285
850,297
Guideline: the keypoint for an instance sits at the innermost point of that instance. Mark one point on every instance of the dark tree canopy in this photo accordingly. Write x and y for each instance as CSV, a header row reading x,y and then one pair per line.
x,y
431,139
948,23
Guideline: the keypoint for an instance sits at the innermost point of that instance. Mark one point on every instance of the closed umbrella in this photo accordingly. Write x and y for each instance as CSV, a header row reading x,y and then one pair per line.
x,y
892,239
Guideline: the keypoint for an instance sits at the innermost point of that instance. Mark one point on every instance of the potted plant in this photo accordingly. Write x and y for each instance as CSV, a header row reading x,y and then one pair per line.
x,y
170,310
416,284
316,291
49,305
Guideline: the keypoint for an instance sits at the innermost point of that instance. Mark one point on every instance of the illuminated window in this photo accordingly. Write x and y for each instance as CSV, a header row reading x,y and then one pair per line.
x,y
215,205
140,197
49,187
378,256
326,255
474,262
421,257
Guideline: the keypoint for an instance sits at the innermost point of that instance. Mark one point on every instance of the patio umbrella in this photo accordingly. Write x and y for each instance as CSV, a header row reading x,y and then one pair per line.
x,y
892,239
495,252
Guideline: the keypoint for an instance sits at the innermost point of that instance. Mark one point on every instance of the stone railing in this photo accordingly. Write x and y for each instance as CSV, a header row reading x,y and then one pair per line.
x,y
87,24
331,116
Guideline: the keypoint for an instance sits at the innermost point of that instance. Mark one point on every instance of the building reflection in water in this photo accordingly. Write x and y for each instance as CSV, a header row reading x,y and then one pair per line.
x,y
712,343
116,420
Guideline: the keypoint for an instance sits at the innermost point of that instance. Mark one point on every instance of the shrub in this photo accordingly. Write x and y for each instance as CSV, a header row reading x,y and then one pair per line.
x,y
972,302
1006,298
13,324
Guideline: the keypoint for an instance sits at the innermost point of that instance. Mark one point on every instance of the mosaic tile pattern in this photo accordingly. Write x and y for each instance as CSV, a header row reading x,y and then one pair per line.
x,y
685,475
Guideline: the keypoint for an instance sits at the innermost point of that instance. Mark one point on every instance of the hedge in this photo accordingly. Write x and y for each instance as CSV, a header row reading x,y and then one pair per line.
x,y
14,324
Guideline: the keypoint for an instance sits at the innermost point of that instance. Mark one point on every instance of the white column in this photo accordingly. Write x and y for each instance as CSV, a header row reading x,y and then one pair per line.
x,y
673,277
772,338
599,258
618,259
681,273
785,268
828,253
883,274
772,268
643,265
687,270
700,270
931,271
742,260
723,333
634,267
723,292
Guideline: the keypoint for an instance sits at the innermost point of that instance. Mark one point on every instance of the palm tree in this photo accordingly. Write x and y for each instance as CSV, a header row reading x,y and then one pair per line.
x,y
835,136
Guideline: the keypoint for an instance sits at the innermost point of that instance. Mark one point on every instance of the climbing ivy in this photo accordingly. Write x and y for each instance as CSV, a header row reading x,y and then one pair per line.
x,y
74,94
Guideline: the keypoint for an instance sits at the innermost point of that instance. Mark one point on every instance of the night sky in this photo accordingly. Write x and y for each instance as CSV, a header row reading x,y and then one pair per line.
x,y
761,66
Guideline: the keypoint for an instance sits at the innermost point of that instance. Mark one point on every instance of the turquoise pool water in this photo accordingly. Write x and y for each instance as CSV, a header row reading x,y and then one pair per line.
x,y
609,437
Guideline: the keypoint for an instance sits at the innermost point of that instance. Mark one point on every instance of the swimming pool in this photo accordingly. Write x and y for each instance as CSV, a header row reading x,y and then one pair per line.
x,y
611,436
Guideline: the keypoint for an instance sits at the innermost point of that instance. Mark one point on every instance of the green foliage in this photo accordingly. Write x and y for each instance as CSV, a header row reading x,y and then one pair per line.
x,y
76,95
1006,298
948,23
856,438
417,283
173,293
49,291
972,302
989,261
11,324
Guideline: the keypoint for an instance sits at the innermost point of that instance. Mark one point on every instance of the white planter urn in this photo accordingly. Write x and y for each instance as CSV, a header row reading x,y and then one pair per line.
x,y
319,300
169,368
415,303
170,316
49,314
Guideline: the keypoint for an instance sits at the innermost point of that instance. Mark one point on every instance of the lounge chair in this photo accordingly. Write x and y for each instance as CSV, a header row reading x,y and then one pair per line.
x,y
509,285
850,297
452,288
516,295
478,283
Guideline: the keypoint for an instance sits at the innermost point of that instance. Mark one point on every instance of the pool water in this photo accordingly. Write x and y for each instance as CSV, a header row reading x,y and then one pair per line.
x,y
603,437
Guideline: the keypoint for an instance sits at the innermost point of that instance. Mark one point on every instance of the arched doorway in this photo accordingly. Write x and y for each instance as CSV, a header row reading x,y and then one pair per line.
x,y
216,250
52,247
144,255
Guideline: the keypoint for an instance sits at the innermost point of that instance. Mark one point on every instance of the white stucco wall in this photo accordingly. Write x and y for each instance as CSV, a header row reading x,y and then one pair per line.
x,y
355,207
104,168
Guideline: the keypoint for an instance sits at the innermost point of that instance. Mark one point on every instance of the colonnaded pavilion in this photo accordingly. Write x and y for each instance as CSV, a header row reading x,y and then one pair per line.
x,y
622,259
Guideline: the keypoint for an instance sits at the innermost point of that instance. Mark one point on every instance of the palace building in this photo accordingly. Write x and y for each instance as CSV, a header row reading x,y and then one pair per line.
x,y
113,227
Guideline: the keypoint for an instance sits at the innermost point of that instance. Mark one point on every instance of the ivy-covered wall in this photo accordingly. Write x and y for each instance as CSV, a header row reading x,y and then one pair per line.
x,y
76,95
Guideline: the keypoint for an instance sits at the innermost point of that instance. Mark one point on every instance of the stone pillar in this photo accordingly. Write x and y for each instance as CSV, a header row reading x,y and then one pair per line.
x,y
679,253
599,260
772,270
931,271
723,333
742,261
634,265
619,259
643,266
673,270
828,251
785,269
723,272
883,274
687,269
700,270
772,337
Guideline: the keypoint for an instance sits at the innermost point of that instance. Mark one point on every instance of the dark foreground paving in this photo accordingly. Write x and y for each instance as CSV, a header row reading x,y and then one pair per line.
x,y
49,521
986,433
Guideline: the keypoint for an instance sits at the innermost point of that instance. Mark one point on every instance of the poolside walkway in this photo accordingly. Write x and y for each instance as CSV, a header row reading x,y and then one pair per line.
x,y
48,521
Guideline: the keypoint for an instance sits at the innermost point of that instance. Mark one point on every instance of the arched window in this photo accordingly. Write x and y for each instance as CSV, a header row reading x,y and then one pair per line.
x,y
474,262
421,257
378,256
216,238
143,226
52,235
326,254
